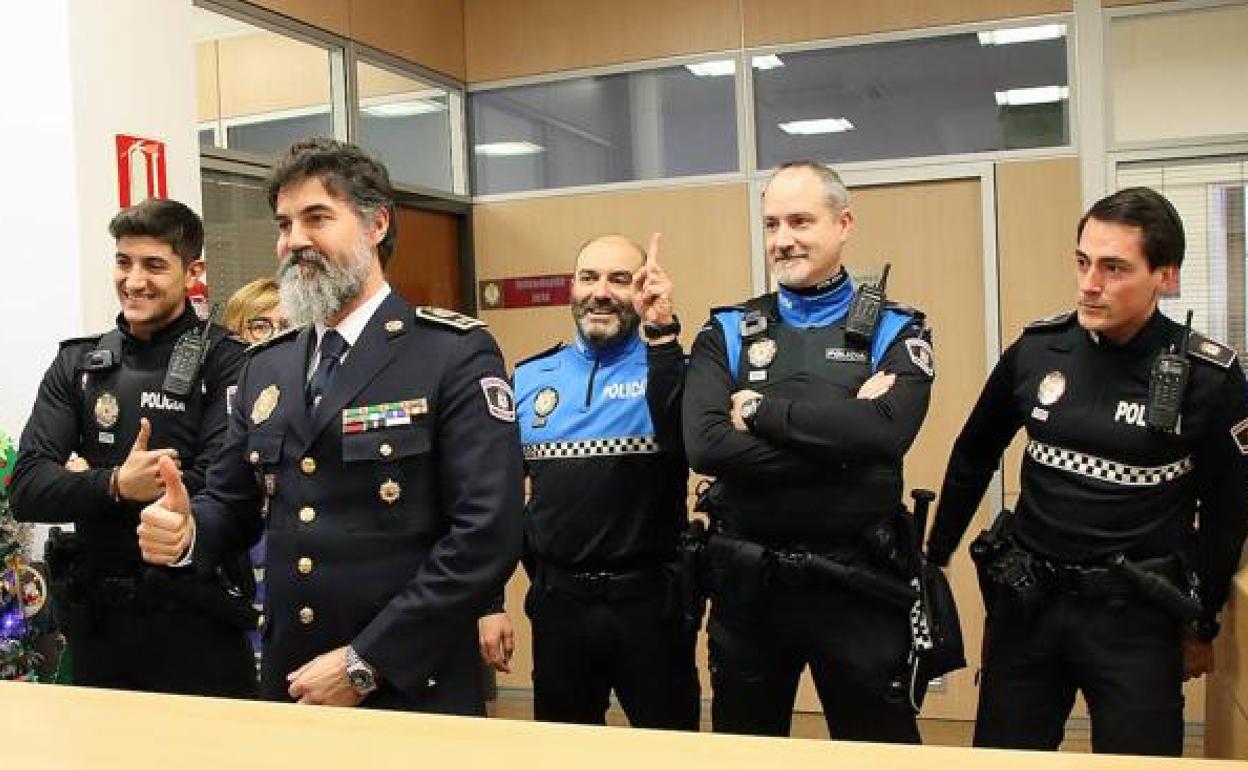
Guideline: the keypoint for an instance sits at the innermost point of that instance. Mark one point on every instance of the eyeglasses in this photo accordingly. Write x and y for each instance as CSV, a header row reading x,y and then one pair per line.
x,y
263,328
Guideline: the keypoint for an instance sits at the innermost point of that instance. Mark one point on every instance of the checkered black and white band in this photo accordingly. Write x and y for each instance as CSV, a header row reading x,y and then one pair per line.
x,y
1107,470
597,447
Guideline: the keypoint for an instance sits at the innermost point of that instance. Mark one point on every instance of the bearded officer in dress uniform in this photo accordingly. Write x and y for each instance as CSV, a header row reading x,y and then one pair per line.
x,y
378,447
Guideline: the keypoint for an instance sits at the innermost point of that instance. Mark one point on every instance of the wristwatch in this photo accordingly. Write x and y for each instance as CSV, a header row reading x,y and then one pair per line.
x,y
749,409
655,331
361,676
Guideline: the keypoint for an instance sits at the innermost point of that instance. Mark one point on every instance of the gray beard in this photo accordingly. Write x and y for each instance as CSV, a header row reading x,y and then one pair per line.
x,y
309,300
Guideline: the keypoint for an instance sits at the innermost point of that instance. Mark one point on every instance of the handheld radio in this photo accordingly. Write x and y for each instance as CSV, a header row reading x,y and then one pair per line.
x,y
1166,382
188,356
865,309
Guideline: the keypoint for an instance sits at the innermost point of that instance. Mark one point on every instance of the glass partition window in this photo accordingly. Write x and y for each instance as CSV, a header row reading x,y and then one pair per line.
x,y
654,124
240,237
406,123
1211,196
1000,89
258,91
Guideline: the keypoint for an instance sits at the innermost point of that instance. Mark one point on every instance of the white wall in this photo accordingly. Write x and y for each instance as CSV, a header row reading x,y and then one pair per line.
x,y
77,72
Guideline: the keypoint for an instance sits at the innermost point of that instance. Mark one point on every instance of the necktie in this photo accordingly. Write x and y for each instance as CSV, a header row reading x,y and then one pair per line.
x,y
332,348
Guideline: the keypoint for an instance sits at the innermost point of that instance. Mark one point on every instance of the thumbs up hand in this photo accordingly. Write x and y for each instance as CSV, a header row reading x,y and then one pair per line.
x,y
137,479
166,528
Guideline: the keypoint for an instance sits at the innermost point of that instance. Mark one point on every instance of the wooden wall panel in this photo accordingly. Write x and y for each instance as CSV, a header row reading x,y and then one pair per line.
x,y
1038,205
206,93
428,32
768,22
330,15
509,39
424,267
265,72
1226,704
706,249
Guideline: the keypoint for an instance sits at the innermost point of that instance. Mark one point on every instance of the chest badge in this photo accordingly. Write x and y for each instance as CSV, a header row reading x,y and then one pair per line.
x,y
266,402
389,491
107,410
761,353
545,402
1051,388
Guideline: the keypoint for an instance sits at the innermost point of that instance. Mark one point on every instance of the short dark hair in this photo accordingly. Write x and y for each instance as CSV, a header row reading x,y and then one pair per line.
x,y
1145,208
167,221
347,172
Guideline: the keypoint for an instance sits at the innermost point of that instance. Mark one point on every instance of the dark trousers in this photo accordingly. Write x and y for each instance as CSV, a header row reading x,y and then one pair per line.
x,y
1126,656
584,648
169,649
855,646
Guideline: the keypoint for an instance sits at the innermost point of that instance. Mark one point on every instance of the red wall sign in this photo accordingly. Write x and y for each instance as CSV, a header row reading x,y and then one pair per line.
x,y
530,291
140,170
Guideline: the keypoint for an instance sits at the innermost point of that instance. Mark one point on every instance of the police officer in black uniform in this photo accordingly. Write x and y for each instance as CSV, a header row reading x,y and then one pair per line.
x,y
1090,589
106,399
600,427
804,425
377,447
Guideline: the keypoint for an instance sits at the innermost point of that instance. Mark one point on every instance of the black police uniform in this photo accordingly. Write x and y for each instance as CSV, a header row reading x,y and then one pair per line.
x,y
129,625
818,470
602,446
1097,482
392,509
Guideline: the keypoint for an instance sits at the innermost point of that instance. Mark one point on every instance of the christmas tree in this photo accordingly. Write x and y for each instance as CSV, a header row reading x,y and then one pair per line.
x,y
23,591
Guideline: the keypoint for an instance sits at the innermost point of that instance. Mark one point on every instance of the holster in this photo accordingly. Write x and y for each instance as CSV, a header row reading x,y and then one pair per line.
x,y
1011,578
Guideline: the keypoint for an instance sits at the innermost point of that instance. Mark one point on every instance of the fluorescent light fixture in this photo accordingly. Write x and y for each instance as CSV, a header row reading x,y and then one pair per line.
x,y
1022,34
768,62
508,149
403,109
1017,97
713,69
817,126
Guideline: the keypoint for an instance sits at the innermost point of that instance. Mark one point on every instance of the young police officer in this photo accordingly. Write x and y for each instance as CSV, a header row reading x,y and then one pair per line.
x,y
805,426
107,398
600,424
1088,593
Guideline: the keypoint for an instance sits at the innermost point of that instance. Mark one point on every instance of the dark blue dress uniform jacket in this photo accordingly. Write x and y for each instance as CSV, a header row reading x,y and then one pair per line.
x,y
391,536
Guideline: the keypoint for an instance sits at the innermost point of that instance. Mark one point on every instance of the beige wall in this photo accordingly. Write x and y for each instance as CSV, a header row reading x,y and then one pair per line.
x,y
1179,75
509,38
769,22
1226,725
426,32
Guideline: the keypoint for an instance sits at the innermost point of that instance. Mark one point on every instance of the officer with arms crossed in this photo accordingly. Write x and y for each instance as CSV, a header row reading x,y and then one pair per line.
x,y
600,425
107,400
805,422
1087,590
378,446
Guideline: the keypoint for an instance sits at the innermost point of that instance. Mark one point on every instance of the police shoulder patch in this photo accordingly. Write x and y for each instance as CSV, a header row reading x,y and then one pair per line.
x,y
283,336
499,399
1052,322
1239,433
449,318
1200,346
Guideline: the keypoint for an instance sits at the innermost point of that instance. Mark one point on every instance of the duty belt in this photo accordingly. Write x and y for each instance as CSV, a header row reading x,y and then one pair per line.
x,y
601,585
1097,581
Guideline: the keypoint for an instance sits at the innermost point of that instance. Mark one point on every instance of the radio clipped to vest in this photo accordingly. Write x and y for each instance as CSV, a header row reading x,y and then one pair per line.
x,y
1167,382
188,356
865,309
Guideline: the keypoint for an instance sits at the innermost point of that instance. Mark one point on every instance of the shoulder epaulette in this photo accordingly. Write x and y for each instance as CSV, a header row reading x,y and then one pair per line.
x,y
1200,346
92,338
282,336
897,307
550,351
1052,322
449,318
